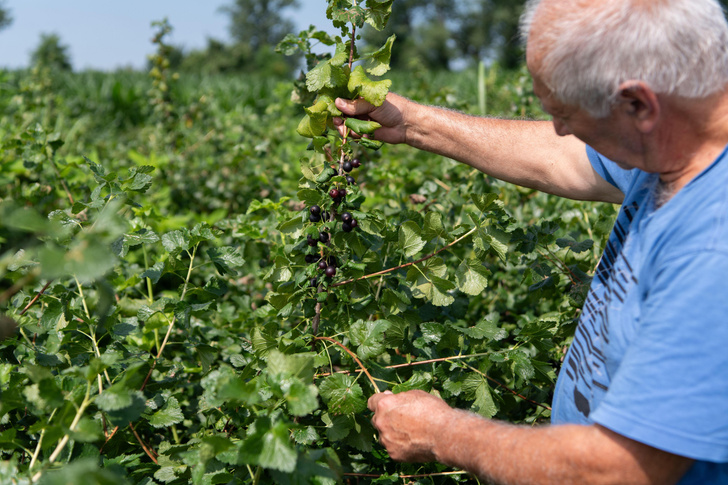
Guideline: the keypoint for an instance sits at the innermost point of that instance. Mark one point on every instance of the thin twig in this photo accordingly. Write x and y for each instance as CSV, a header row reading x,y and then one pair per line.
x,y
27,307
356,359
150,453
451,359
385,271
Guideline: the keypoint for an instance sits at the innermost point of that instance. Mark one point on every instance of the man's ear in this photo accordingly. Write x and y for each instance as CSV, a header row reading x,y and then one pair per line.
x,y
640,103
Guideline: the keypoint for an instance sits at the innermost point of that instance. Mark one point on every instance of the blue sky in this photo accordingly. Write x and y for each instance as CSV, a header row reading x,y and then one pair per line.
x,y
108,34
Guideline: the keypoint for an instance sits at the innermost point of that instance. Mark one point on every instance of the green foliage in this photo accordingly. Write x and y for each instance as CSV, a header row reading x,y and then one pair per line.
x,y
156,308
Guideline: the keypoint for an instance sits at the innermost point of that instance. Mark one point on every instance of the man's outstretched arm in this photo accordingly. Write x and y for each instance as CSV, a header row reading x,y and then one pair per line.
x,y
416,426
526,153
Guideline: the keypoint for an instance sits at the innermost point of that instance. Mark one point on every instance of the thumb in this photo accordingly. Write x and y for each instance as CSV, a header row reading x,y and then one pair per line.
x,y
354,107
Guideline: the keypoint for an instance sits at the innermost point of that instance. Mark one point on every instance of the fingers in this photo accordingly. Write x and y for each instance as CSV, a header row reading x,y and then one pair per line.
x,y
373,401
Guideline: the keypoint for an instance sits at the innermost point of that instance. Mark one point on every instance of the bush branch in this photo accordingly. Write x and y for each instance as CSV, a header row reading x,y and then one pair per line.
x,y
389,270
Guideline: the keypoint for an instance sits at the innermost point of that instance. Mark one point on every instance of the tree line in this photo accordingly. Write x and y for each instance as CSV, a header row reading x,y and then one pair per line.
x,y
432,34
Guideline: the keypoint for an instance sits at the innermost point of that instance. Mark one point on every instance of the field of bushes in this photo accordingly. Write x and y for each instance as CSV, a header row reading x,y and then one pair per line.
x,y
158,321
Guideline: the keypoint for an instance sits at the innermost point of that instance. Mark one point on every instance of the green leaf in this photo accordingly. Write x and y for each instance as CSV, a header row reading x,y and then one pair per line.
x,y
362,127
485,330
433,226
410,241
379,60
301,398
325,74
342,394
522,365
155,272
168,415
378,12
428,282
472,277
370,144
225,259
121,404
484,202
176,241
372,91
419,380
476,387
369,337
268,445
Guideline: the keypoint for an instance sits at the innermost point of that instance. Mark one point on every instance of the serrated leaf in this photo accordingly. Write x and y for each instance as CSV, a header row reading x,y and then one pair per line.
x,y
176,241
484,202
522,364
485,330
433,226
476,387
372,91
155,272
379,60
121,404
342,394
309,196
440,289
410,240
419,380
378,13
472,277
269,446
325,74
225,259
301,398
369,337
167,416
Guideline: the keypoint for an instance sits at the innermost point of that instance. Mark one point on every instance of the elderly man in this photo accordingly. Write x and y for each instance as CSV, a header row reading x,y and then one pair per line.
x,y
637,92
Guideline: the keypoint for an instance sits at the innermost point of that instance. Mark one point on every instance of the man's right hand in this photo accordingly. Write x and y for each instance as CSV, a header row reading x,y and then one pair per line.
x,y
392,115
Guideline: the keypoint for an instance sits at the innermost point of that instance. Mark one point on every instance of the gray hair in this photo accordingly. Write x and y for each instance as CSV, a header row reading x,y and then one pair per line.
x,y
678,47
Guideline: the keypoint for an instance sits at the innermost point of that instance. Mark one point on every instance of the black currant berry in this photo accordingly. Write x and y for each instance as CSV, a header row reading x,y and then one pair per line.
x,y
356,163
353,224
347,166
314,217
315,210
313,283
334,193
330,271
342,193
311,241
332,261
324,237
346,217
350,180
346,227
310,258
322,265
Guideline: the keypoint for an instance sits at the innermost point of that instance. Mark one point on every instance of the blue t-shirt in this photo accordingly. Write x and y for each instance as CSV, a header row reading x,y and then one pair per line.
x,y
650,356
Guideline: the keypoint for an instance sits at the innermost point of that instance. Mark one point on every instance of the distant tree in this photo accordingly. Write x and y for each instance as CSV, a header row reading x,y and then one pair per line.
x,y
488,29
5,18
258,23
51,53
423,33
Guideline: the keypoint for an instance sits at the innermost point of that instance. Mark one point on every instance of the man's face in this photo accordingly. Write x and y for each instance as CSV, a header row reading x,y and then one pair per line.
x,y
602,134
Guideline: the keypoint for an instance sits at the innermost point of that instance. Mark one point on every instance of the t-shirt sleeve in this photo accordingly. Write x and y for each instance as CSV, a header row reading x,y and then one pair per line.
x,y
671,389
610,171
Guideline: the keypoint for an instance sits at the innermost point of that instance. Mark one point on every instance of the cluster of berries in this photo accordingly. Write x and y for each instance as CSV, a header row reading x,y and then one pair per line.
x,y
328,264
